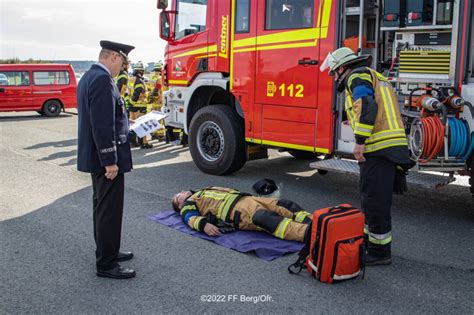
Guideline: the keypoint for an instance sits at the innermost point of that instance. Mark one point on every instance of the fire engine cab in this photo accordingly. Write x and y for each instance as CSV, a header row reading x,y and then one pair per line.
x,y
244,76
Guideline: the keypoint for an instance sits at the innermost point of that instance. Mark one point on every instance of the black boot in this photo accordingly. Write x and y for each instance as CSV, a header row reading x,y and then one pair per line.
x,y
372,260
146,146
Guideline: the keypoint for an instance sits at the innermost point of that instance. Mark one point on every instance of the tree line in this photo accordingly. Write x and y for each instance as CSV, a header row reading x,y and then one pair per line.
x,y
17,60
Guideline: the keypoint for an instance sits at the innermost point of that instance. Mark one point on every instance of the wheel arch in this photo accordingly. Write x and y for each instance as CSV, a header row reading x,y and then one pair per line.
x,y
209,89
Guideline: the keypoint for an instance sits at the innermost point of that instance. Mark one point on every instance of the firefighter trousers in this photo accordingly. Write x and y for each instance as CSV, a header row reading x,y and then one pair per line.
x,y
377,175
282,218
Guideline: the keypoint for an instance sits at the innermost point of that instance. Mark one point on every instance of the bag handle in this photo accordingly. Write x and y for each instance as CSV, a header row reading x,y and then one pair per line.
x,y
340,207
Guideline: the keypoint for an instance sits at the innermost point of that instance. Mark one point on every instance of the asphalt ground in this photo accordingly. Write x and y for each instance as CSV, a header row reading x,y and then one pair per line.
x,y
47,248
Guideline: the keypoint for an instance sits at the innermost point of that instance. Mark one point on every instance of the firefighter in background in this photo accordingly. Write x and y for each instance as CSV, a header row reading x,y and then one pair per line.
x,y
138,101
154,86
156,96
212,209
122,81
381,146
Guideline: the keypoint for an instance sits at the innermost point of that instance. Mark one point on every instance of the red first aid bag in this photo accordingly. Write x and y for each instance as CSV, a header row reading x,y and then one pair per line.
x,y
335,250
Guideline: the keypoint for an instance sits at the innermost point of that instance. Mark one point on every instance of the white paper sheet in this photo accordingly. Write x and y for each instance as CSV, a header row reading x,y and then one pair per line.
x,y
148,123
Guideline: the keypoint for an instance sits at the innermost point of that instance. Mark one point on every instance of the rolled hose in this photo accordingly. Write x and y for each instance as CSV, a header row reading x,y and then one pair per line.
x,y
461,140
433,137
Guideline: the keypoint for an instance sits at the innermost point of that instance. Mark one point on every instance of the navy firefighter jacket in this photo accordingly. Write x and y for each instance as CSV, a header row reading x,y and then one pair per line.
x,y
103,124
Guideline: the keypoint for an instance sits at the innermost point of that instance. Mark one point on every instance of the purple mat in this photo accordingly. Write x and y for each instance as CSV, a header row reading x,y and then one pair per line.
x,y
265,246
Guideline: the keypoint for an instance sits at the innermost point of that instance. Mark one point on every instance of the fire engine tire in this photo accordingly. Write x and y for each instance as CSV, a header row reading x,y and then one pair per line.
x,y
217,140
52,108
303,155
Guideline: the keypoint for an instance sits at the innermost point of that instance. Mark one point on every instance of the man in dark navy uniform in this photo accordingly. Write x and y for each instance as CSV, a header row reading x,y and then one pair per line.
x,y
104,152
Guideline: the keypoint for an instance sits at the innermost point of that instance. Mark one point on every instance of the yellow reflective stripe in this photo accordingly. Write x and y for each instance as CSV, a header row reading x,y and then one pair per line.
x,y
349,110
362,133
199,51
139,85
392,108
386,106
385,144
380,239
362,76
363,129
225,207
122,76
231,46
281,229
279,46
397,133
214,195
178,82
301,215
366,229
287,145
196,223
187,208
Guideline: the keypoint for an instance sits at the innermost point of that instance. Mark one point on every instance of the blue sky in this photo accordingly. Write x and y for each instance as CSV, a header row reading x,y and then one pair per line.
x,y
72,29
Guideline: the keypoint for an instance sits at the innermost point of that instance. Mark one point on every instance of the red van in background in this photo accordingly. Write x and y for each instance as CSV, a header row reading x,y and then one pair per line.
x,y
45,88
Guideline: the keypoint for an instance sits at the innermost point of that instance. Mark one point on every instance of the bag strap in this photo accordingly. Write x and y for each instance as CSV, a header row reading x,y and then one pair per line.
x,y
304,252
298,266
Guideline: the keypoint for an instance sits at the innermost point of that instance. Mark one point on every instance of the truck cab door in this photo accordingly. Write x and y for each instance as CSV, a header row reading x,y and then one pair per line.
x,y
190,44
287,72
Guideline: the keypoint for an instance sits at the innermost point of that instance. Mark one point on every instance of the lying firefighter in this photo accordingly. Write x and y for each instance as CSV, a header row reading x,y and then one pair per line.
x,y
217,210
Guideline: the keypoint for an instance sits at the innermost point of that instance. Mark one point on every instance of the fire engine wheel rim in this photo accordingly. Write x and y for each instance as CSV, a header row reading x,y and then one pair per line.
x,y
210,141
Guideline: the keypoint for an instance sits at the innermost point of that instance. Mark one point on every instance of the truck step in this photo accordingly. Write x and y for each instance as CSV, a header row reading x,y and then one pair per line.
x,y
351,167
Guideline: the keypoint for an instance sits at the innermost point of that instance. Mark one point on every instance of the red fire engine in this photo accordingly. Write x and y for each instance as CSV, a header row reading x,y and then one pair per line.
x,y
243,76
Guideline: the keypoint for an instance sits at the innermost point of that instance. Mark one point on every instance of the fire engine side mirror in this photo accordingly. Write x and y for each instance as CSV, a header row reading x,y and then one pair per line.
x,y
165,29
162,4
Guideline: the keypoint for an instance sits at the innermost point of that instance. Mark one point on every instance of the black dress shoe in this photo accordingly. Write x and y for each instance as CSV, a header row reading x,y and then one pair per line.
x,y
116,273
124,256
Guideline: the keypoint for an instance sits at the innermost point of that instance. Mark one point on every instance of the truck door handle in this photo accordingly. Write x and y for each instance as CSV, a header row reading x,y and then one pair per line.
x,y
2,90
307,62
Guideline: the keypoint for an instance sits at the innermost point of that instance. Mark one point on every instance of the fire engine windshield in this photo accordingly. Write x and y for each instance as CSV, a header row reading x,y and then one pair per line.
x,y
191,17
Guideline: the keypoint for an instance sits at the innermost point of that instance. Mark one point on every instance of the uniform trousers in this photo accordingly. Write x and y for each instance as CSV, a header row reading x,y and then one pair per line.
x,y
107,200
377,175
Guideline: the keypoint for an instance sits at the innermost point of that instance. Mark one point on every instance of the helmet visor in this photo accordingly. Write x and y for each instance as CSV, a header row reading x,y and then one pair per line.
x,y
327,63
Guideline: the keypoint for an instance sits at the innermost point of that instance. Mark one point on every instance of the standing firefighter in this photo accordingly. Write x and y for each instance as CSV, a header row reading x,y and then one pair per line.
x,y
122,81
156,95
381,146
155,86
138,101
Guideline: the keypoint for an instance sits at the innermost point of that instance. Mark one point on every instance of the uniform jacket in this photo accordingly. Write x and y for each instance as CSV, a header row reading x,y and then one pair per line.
x,y
377,120
122,81
139,94
217,201
103,124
